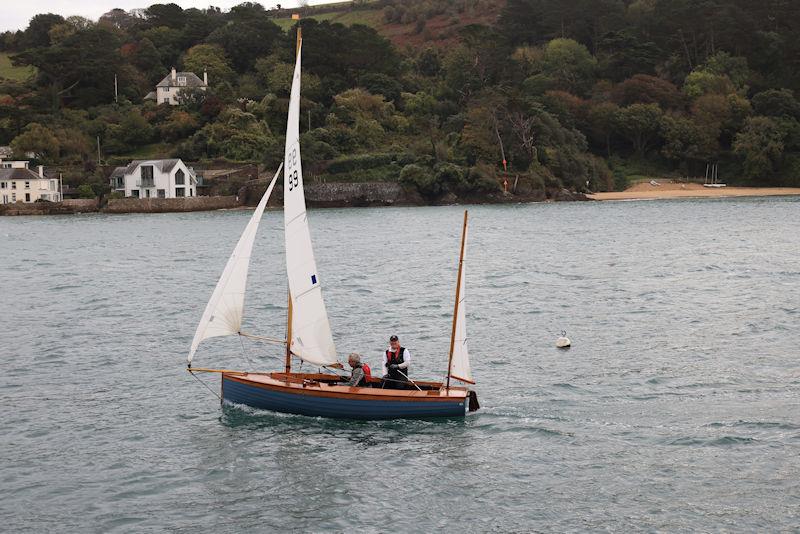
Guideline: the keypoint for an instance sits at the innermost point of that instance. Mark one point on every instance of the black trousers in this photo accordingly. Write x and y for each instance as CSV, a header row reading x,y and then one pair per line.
x,y
395,381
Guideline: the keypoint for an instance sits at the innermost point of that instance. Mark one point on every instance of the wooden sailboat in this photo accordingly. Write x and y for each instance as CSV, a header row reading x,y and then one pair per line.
x,y
308,332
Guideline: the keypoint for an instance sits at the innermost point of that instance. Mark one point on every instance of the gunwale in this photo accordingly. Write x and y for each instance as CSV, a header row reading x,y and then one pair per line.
x,y
315,388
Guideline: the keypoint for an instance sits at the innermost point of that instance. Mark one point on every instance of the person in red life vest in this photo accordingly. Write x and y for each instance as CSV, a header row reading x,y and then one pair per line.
x,y
396,362
360,373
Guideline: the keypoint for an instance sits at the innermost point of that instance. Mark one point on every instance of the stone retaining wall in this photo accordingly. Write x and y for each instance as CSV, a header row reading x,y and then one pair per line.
x,y
67,207
163,205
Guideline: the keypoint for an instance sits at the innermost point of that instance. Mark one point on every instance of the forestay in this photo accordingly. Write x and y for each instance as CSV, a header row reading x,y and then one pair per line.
x,y
224,311
459,363
311,332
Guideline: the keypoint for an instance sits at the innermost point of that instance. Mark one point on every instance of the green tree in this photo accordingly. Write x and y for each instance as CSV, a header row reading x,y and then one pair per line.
x,y
645,89
248,35
167,41
38,139
703,82
86,191
776,103
761,146
640,124
601,119
569,64
686,140
210,58
166,15
37,34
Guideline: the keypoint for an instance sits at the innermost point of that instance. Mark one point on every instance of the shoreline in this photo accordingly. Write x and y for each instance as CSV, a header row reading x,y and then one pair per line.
x,y
677,190
641,192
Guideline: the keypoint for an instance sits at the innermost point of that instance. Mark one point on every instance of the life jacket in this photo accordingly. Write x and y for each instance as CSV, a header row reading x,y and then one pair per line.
x,y
395,357
367,371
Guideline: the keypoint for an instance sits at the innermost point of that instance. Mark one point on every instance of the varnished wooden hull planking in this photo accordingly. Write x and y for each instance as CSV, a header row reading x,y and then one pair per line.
x,y
341,402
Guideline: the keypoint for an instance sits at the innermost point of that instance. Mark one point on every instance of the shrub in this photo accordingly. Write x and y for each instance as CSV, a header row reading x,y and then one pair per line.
x,y
86,191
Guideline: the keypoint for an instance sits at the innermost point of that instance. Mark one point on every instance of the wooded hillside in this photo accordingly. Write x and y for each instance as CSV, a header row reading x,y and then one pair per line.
x,y
584,94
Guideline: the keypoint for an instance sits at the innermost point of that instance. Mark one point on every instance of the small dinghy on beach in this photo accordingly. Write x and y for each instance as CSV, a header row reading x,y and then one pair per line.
x,y
308,332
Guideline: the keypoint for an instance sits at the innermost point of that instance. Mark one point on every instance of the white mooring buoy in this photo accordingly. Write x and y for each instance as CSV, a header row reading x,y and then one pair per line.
x,y
563,342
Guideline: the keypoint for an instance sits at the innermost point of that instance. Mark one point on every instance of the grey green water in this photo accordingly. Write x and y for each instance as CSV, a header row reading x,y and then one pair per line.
x,y
677,408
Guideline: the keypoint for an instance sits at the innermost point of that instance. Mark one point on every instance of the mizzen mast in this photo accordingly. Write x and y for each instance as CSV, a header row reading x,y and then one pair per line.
x,y
458,299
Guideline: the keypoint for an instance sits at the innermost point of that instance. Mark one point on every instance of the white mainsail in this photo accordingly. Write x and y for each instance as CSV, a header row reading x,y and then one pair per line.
x,y
224,311
311,332
459,363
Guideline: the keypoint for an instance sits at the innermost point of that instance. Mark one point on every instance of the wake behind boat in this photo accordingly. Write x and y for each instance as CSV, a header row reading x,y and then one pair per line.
x,y
308,332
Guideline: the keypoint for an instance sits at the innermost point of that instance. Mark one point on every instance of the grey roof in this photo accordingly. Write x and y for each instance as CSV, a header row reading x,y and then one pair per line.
x,y
150,96
18,174
164,165
191,80
6,152
117,172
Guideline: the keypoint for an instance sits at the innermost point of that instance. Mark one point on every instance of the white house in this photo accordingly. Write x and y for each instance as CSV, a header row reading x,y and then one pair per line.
x,y
20,184
156,178
168,90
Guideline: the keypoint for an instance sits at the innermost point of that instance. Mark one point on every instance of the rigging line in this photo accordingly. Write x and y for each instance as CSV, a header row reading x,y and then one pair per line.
x,y
264,338
244,353
293,219
205,385
306,292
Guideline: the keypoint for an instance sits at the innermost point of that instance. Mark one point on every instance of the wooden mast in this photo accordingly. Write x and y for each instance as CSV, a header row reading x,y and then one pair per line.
x,y
458,297
288,367
296,16
288,363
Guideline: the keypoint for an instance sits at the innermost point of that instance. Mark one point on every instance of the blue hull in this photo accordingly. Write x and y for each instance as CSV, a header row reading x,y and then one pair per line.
x,y
335,407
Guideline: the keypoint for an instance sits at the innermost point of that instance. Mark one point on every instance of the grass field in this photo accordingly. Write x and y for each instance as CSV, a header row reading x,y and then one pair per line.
x,y
7,70
367,17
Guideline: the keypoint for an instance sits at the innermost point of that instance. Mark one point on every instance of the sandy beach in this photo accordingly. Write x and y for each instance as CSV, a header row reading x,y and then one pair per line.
x,y
644,191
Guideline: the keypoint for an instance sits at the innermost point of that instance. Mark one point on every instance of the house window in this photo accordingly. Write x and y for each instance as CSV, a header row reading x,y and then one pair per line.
x,y
191,192
147,193
180,192
166,100
135,193
13,185
181,80
2,185
27,197
180,178
162,193
5,199
27,185
13,197
147,176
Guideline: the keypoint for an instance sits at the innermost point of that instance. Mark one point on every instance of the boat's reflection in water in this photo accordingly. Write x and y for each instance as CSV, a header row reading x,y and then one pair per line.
x,y
237,417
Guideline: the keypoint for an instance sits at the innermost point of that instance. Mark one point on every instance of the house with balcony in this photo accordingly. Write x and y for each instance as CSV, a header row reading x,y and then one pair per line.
x,y
169,89
18,183
158,178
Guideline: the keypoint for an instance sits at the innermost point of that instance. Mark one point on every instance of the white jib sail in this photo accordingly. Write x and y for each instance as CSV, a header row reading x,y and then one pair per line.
x,y
459,367
311,332
224,311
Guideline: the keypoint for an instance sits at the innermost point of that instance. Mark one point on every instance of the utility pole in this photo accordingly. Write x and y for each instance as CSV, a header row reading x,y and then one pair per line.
x,y
116,97
61,187
98,150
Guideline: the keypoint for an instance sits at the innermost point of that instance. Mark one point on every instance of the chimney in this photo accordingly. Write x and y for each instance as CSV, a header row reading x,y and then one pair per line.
x,y
174,76
205,77
41,171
